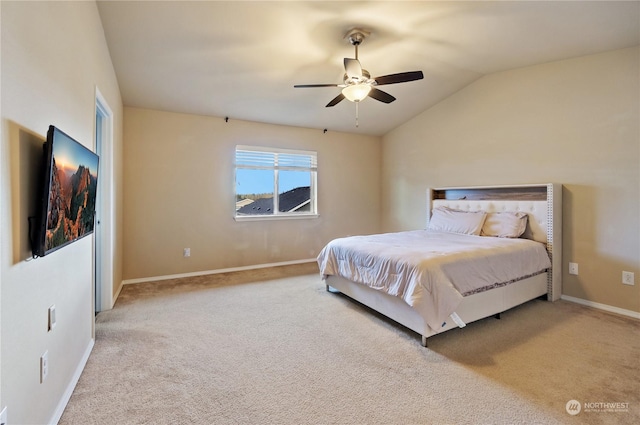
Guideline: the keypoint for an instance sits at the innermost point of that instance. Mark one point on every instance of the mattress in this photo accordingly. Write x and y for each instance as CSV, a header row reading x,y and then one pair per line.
x,y
432,271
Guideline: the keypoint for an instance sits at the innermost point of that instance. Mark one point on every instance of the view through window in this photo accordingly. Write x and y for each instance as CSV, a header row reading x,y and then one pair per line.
x,y
261,173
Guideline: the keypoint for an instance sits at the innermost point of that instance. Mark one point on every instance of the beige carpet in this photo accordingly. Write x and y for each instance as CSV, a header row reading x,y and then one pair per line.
x,y
273,347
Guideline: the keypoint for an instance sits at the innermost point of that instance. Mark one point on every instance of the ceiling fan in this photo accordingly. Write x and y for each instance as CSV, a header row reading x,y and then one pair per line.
x,y
357,82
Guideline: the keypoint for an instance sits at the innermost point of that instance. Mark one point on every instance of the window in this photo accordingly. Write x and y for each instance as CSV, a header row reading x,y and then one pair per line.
x,y
261,173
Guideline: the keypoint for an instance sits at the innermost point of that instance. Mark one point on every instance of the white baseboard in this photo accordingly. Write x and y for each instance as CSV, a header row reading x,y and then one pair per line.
x,y
115,297
72,384
207,272
604,307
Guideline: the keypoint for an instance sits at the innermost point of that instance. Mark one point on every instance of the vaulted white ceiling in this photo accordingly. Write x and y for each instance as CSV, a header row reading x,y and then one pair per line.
x,y
241,59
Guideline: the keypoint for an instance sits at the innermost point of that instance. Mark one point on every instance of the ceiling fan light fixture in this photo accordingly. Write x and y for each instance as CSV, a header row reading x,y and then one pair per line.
x,y
356,92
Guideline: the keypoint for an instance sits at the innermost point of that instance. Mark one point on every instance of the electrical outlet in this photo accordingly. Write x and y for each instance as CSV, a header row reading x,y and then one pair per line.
x,y
186,252
52,317
44,366
628,278
573,268
3,416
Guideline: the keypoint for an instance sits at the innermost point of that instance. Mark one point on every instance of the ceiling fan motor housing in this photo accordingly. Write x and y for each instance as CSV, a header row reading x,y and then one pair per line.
x,y
365,78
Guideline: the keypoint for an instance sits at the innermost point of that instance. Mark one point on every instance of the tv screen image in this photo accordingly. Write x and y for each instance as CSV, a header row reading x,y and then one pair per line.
x,y
68,197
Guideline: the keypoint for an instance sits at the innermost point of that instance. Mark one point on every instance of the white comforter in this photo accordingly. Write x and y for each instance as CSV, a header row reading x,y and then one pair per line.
x,y
432,271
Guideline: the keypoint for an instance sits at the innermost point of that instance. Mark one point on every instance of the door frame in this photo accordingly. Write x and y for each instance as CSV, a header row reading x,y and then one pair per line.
x,y
105,217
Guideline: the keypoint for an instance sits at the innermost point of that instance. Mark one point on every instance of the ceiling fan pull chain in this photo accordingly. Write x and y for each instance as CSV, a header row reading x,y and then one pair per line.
x,y
357,103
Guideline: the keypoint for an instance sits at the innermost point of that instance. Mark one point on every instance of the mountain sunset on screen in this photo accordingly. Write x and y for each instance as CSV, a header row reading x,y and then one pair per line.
x,y
72,197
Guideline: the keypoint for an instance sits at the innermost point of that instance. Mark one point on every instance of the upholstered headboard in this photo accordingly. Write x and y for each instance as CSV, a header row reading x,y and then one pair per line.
x,y
537,225
542,202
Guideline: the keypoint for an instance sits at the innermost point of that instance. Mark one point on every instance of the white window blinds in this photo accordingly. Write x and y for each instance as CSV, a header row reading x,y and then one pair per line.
x,y
247,157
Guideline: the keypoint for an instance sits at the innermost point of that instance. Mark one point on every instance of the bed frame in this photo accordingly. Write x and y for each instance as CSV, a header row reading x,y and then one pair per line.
x,y
543,204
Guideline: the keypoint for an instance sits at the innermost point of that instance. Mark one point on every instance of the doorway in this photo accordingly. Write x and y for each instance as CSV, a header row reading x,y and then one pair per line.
x,y
103,252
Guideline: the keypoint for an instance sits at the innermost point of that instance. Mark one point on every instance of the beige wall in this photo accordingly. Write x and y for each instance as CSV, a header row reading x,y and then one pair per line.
x,y
54,55
179,192
574,122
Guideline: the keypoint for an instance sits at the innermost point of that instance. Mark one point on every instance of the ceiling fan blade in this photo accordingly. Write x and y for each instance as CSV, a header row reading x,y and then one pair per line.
x,y
353,68
335,100
299,86
381,95
402,77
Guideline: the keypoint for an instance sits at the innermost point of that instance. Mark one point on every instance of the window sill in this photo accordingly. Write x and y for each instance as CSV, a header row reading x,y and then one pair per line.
x,y
274,217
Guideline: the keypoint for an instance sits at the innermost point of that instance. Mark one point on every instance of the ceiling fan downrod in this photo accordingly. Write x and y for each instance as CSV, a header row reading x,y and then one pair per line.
x,y
356,36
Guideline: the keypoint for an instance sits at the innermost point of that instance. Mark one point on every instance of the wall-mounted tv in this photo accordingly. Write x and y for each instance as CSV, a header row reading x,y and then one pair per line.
x,y
67,199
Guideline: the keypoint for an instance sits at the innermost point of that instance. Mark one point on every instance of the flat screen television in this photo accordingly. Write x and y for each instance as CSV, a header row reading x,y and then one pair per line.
x,y
67,198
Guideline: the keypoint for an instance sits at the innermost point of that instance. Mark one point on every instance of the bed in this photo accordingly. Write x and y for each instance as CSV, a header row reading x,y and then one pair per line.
x,y
431,290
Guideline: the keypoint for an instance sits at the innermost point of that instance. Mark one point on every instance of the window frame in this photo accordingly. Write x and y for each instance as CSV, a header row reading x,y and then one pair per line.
x,y
277,214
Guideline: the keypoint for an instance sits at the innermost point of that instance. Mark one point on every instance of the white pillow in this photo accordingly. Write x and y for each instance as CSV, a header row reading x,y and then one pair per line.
x,y
456,221
505,224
